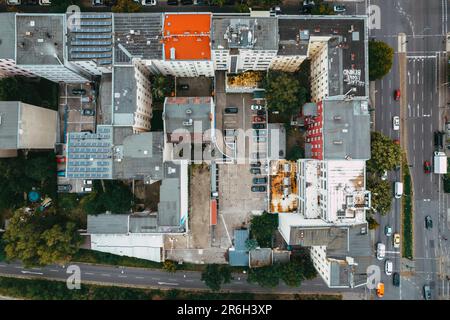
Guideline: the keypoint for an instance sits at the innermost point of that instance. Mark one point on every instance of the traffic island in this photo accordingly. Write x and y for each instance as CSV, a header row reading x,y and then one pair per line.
x,y
407,212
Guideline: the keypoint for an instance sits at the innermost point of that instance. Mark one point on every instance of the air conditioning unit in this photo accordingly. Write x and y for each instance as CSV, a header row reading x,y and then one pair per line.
x,y
187,122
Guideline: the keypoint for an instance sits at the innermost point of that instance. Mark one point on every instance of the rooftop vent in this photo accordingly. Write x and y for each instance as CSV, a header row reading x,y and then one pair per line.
x,y
337,118
337,142
187,122
188,111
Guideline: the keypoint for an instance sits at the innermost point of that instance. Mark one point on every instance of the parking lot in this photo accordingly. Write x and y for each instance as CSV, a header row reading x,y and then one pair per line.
x,y
74,98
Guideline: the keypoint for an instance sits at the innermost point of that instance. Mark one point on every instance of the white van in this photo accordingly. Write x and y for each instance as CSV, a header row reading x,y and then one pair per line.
x,y
398,189
381,251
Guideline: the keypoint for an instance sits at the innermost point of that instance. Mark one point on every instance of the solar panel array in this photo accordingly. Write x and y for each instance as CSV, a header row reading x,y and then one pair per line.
x,y
90,154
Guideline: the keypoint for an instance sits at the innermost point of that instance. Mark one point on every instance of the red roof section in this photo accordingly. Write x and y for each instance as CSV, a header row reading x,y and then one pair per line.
x,y
213,212
187,34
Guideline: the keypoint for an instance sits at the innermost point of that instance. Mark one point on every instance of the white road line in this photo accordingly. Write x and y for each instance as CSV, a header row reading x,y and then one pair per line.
x,y
168,283
53,270
106,275
156,279
18,267
189,280
121,276
137,277
89,273
31,272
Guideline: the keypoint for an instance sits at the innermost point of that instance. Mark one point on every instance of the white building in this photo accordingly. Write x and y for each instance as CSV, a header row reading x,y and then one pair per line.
x,y
242,43
331,213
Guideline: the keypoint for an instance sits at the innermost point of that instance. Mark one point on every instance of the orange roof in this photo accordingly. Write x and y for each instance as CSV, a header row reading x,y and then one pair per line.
x,y
187,36
213,212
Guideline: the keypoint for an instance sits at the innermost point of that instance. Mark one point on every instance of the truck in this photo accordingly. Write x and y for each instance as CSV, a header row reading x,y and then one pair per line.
x,y
440,162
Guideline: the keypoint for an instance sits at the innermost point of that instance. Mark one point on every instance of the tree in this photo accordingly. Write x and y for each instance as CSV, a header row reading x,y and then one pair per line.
x,y
251,244
283,92
9,89
39,239
385,154
262,228
162,86
219,3
381,57
295,153
169,266
381,194
322,9
291,273
126,6
373,224
268,276
215,275
116,198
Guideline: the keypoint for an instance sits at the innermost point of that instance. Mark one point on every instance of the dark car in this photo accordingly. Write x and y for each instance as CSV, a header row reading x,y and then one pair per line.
x,y
231,110
261,113
78,91
187,2
87,131
427,167
258,188
255,164
255,170
88,112
396,279
262,180
64,187
428,222
427,292
257,119
172,2
439,139
258,126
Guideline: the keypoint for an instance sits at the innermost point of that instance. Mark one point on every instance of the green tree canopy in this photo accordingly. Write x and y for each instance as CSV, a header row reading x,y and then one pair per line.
x,y
116,197
162,86
268,276
385,154
126,6
284,92
39,239
381,194
381,57
263,227
215,275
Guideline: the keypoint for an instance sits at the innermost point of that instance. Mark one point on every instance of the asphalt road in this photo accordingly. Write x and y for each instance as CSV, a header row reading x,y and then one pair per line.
x,y
153,278
425,25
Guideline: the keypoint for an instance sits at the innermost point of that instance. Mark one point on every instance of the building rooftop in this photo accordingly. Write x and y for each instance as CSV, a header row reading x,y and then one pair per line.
x,y
124,95
332,237
107,224
40,39
245,33
238,255
7,35
187,36
169,202
347,41
9,124
91,39
137,35
143,223
193,114
260,257
90,154
283,196
346,129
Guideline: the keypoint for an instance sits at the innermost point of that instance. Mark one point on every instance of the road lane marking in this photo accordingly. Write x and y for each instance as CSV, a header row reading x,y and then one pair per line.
x,y
156,279
31,272
89,273
121,276
18,267
54,270
106,275
189,280
168,283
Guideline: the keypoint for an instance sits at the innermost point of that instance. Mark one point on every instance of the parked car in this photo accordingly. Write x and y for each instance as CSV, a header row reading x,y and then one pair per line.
x,y
427,292
172,2
255,164
86,99
258,188
13,2
276,10
387,231
381,251
61,173
45,2
388,267
86,189
260,133
79,91
259,126
187,2
259,139
60,159
396,279
396,240
380,290
64,187
384,176
339,8
87,182
428,222
398,190
231,110
87,130
88,112
259,119
261,180
184,87
427,167
397,94
396,123
255,170
97,3
396,141
256,107
148,2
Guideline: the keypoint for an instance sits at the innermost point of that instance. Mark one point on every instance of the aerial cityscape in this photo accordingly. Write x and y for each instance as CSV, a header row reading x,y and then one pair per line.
x,y
224,150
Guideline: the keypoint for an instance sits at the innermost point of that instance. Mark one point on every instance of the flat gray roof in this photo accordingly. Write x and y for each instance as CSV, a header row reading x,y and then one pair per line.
x,y
124,95
107,224
7,35
332,237
137,35
346,129
260,257
9,113
244,32
347,47
39,38
92,39
143,223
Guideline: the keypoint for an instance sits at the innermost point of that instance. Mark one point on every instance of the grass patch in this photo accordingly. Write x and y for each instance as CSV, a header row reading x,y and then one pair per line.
x,y
57,290
407,251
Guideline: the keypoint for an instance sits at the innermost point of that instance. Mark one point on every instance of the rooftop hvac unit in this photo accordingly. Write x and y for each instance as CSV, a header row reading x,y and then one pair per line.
x,y
171,170
337,142
172,53
187,122
337,118
188,111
